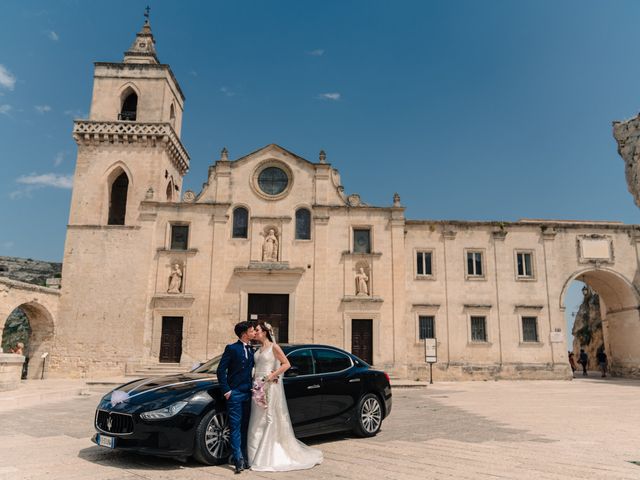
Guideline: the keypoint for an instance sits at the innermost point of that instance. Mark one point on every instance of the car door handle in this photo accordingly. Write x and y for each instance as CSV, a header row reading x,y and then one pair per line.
x,y
311,387
354,380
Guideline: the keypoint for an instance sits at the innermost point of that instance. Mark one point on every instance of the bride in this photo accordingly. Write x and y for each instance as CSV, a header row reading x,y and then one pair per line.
x,y
271,444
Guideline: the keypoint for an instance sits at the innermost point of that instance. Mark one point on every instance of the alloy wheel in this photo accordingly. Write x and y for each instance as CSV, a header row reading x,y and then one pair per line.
x,y
371,415
218,435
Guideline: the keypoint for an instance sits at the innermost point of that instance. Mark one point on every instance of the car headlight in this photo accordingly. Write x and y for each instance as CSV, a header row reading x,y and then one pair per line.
x,y
166,412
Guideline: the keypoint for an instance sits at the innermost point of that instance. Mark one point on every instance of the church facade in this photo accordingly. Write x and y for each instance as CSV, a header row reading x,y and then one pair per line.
x,y
155,276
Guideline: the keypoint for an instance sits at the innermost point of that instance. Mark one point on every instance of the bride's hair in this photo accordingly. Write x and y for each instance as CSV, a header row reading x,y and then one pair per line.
x,y
266,327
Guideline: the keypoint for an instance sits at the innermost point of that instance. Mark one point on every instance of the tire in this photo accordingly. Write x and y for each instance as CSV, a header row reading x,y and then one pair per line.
x,y
213,439
368,419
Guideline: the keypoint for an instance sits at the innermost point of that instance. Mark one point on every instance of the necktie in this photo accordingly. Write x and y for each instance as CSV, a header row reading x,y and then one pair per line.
x,y
247,349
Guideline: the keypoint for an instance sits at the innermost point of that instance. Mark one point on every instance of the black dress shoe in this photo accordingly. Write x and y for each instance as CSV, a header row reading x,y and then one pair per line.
x,y
239,466
246,465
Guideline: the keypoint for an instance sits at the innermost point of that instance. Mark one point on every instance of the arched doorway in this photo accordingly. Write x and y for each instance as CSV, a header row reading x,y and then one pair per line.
x,y
619,302
32,324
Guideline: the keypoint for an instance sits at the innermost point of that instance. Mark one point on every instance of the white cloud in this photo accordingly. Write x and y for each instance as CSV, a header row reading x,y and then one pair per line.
x,y
42,108
7,79
76,113
34,182
318,52
53,35
335,96
5,109
59,158
227,91
47,180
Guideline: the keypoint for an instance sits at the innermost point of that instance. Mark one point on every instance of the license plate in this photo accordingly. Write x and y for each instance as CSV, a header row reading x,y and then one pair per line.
x,y
105,441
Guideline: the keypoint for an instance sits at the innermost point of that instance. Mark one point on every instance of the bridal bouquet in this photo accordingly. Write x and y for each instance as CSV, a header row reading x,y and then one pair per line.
x,y
260,392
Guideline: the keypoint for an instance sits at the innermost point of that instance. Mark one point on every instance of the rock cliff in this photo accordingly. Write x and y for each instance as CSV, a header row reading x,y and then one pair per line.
x,y
587,329
627,134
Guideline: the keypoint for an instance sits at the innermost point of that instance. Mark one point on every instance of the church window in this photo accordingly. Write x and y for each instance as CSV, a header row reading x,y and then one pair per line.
x,y
129,107
118,200
524,264
273,180
478,329
240,222
303,224
529,329
361,240
172,116
475,267
169,192
426,324
423,264
179,237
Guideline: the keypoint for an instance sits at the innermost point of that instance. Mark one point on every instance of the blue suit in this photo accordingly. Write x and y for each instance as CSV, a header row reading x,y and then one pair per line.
x,y
234,375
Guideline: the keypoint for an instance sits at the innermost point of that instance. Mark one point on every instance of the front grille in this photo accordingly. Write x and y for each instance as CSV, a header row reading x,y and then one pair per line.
x,y
111,422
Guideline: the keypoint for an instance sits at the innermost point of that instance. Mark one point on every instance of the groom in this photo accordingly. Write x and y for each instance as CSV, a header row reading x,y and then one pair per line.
x,y
234,375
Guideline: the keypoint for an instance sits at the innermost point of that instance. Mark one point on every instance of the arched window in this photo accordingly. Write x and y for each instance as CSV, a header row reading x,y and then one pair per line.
x,y
129,107
303,224
172,116
118,200
169,192
240,222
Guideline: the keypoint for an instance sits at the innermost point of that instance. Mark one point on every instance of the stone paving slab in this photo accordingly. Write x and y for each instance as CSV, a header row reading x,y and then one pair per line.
x,y
585,429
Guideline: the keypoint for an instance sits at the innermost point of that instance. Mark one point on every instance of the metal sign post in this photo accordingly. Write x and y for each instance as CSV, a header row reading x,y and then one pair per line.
x,y
430,355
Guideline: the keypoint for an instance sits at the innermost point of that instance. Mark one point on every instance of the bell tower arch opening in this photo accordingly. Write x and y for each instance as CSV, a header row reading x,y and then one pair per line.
x,y
129,110
618,302
118,192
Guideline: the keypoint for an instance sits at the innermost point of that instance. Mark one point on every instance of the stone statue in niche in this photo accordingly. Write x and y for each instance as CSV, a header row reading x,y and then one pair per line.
x,y
362,285
175,280
270,247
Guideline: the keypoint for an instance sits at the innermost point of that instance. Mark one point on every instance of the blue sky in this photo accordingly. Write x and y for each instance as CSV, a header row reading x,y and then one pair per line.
x,y
492,110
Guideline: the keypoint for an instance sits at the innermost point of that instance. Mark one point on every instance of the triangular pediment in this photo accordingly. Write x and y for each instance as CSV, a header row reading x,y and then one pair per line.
x,y
275,150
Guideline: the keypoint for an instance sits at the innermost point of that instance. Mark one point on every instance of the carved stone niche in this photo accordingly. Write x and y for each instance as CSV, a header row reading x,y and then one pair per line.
x,y
595,248
270,244
175,282
362,279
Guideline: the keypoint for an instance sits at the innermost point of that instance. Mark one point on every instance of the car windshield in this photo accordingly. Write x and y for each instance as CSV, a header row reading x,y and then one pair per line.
x,y
208,367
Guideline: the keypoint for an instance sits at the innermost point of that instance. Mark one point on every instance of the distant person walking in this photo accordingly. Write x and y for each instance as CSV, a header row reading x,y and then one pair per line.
x,y
572,362
602,362
583,360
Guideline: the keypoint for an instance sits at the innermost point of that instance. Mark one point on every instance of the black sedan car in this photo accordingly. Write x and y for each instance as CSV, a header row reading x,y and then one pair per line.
x,y
327,390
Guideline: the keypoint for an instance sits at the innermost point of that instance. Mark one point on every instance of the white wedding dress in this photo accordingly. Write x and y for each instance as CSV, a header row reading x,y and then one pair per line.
x,y
271,444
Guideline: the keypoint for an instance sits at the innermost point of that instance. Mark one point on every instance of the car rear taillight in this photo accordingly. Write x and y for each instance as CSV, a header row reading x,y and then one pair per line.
x,y
387,377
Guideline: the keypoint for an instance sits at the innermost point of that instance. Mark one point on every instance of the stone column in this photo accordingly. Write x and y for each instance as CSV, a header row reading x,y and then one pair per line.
x,y
556,350
320,277
397,224
498,243
217,322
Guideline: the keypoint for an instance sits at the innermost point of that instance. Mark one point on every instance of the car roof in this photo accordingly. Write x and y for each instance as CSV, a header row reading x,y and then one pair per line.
x,y
287,347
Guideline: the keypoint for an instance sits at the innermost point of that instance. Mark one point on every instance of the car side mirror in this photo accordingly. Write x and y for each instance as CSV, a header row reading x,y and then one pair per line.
x,y
292,372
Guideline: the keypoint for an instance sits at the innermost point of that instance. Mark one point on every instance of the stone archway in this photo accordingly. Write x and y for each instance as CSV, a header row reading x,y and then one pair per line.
x,y
40,304
620,307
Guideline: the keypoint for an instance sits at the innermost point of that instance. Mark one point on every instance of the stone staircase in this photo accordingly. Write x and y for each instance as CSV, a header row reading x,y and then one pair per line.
x,y
157,370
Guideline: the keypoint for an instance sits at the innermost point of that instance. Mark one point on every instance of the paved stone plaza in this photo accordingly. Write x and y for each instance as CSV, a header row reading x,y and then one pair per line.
x,y
586,428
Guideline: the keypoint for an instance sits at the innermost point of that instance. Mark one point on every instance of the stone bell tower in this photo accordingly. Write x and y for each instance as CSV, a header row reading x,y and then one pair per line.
x,y
129,149
129,158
